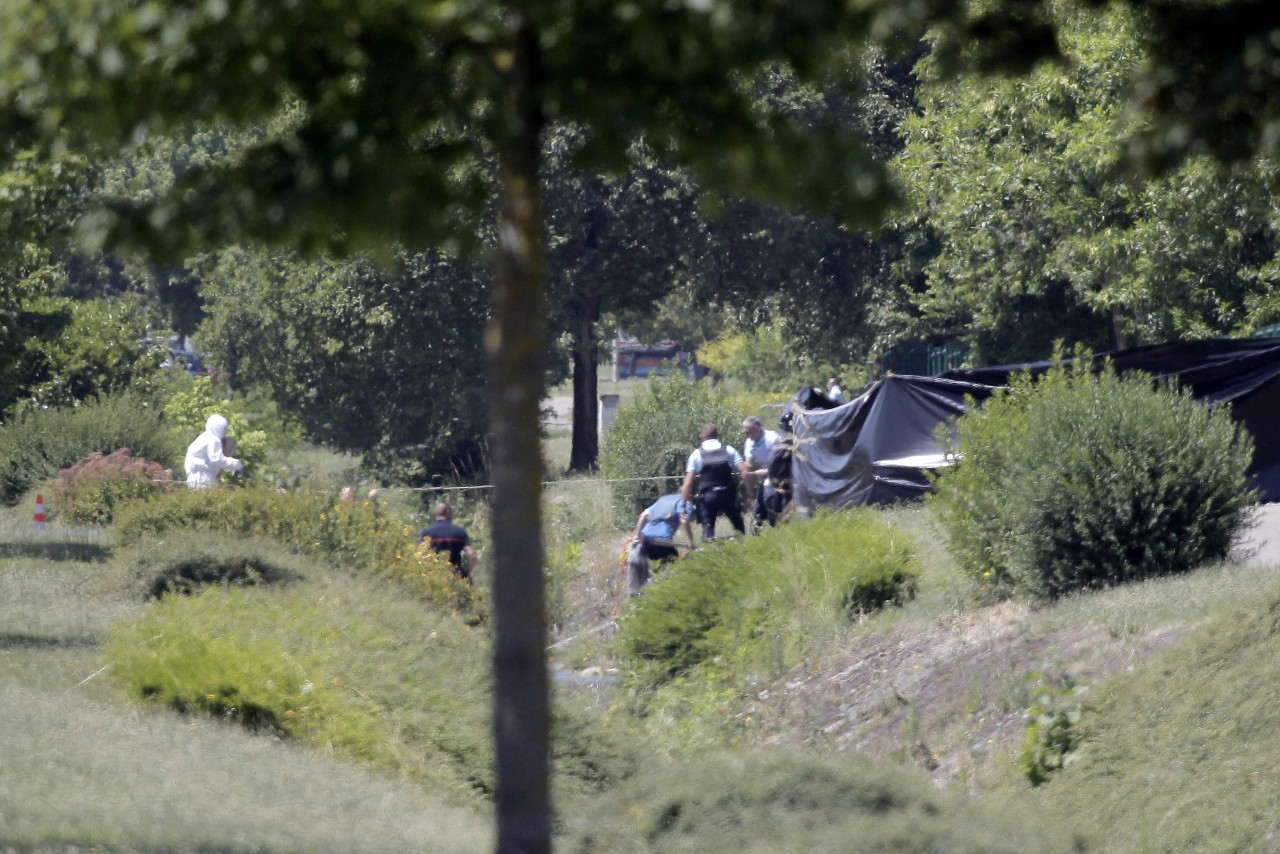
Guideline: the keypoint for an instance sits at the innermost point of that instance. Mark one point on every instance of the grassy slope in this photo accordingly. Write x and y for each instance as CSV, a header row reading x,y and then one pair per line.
x,y
83,770
1175,731
1182,754
941,684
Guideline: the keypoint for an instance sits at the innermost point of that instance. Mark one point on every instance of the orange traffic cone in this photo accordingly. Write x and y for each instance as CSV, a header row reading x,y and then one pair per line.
x,y
38,518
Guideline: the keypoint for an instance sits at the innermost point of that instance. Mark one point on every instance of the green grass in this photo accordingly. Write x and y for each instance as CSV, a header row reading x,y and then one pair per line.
x,y
82,770
784,801
318,466
1177,727
348,666
341,660
1181,755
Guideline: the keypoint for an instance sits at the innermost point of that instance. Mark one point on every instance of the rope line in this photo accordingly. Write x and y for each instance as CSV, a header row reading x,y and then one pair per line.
x,y
576,480
599,628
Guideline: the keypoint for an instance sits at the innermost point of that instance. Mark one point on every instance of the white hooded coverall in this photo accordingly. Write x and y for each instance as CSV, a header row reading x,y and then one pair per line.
x,y
205,460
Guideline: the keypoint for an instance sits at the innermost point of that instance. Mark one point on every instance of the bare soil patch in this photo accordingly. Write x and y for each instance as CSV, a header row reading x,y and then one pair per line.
x,y
947,697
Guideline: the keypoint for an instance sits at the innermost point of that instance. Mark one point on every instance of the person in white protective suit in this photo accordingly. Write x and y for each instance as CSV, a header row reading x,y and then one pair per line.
x,y
205,460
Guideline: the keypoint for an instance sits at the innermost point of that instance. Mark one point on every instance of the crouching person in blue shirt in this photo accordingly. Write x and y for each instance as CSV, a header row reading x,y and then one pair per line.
x,y
654,539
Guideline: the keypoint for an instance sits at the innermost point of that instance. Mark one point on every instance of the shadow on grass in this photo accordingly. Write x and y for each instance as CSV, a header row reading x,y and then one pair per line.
x,y
83,552
18,640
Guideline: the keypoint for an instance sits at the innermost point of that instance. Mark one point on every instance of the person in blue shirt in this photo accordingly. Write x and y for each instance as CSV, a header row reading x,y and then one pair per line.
x,y
658,523
655,538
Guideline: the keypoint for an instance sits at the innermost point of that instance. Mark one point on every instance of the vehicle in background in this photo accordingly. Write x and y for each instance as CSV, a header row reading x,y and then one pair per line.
x,y
179,353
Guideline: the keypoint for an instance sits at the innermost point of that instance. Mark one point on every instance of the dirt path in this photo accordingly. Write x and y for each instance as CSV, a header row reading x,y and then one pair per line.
x,y
1263,543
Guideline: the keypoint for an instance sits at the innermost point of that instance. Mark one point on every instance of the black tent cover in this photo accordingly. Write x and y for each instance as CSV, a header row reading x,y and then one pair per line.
x,y
877,448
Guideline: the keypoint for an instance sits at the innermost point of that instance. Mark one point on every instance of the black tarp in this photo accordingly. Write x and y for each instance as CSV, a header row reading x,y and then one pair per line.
x,y
876,448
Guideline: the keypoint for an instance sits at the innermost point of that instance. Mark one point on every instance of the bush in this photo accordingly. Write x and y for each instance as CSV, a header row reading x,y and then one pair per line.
x,y
357,534
249,659
1081,481
36,444
789,801
187,561
754,601
90,491
75,350
653,437
341,661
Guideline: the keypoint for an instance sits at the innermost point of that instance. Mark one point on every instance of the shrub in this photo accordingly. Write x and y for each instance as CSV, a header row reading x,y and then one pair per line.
x,y
789,801
764,360
92,489
347,664
36,444
754,601
1053,722
653,437
358,534
216,653
1081,481
75,350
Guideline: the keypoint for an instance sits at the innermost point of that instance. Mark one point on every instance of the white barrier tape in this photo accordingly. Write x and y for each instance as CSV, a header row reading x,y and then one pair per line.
x,y
576,480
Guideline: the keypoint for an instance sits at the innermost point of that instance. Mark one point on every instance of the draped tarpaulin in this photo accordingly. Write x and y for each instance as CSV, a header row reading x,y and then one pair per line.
x,y
876,448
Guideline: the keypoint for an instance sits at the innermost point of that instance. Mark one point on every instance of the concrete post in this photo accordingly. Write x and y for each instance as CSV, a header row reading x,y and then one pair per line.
x,y
608,409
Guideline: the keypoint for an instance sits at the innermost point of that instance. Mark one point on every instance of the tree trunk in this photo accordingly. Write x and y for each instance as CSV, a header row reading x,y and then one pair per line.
x,y
1119,341
515,343
586,405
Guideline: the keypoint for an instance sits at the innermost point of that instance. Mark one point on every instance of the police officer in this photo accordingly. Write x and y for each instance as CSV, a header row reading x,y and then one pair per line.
x,y
713,464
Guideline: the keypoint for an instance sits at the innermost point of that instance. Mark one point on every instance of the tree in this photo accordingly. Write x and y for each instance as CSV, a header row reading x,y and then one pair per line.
x,y
62,340
615,244
375,115
1035,230
377,361
819,283
1208,83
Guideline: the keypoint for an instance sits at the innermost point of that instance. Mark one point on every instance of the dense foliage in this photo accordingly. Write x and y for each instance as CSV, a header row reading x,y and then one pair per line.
x,y
1030,228
650,440
386,363
35,445
733,603
76,350
764,360
1080,481
92,489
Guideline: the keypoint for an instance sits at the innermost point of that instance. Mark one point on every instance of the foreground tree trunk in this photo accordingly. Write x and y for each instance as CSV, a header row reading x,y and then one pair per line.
x,y
586,404
515,344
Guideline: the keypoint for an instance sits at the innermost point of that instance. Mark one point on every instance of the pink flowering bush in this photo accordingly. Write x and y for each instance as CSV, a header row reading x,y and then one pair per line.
x,y
91,490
